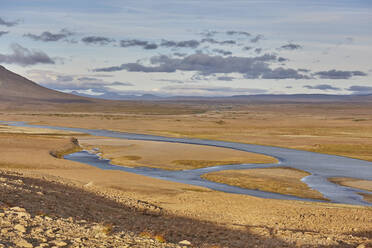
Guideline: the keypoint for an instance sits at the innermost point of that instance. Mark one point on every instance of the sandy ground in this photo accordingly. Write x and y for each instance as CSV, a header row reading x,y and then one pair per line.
x,y
169,156
279,180
202,216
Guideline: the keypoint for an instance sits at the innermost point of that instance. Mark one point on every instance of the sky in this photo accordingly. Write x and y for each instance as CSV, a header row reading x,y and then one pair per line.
x,y
115,48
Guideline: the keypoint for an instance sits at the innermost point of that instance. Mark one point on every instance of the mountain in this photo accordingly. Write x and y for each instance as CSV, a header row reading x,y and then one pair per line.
x,y
15,88
20,94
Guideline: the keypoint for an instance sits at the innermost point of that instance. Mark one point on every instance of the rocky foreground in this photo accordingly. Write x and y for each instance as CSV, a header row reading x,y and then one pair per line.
x,y
28,229
37,210
20,229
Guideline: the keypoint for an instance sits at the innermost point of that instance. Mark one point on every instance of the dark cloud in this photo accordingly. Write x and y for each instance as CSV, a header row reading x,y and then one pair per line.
x,y
227,42
291,46
281,59
258,50
8,23
150,46
25,57
360,90
3,33
213,41
64,78
180,54
209,33
247,48
180,44
225,78
231,32
48,36
98,40
88,79
141,43
335,74
282,73
120,84
257,38
251,67
321,87
223,52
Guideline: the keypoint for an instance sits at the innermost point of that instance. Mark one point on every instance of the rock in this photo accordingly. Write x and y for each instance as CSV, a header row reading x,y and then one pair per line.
x,y
20,228
23,243
59,243
23,214
361,246
185,242
90,184
18,209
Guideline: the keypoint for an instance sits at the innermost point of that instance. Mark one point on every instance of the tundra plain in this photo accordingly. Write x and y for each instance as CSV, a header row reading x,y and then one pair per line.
x,y
196,214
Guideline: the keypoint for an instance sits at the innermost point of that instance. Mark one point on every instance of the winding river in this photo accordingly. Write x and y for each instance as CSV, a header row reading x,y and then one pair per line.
x,y
321,166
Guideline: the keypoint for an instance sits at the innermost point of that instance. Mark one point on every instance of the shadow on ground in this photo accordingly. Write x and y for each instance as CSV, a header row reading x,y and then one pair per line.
x,y
40,197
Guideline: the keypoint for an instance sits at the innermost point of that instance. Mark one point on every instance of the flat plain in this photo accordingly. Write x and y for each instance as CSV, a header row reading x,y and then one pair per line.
x,y
188,212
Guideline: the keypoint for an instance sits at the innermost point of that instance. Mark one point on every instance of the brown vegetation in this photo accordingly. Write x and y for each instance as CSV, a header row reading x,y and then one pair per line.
x,y
335,128
168,156
282,180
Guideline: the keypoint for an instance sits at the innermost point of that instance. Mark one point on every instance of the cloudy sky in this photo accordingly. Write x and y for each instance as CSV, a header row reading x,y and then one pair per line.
x,y
190,47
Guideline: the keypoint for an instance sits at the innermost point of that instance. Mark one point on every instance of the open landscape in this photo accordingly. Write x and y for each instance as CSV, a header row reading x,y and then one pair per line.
x,y
185,124
159,211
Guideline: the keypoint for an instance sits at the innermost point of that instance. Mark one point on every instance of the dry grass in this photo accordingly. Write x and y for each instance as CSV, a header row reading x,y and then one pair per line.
x,y
358,151
203,163
282,180
168,156
31,151
334,128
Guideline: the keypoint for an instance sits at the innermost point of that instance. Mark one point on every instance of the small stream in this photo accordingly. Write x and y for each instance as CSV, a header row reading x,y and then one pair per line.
x,y
321,166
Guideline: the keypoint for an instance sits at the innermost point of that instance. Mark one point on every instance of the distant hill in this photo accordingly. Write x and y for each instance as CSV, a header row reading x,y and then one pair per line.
x,y
15,88
20,94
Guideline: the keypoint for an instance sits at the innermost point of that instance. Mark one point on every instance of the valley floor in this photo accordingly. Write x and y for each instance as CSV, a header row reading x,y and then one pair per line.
x,y
79,205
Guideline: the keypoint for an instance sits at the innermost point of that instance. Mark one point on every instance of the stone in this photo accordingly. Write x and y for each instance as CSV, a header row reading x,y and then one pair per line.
x,y
18,209
24,244
185,242
59,243
20,228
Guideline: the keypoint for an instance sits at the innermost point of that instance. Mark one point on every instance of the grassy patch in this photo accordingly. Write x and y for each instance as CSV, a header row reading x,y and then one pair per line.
x,y
358,151
194,164
282,180
131,157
